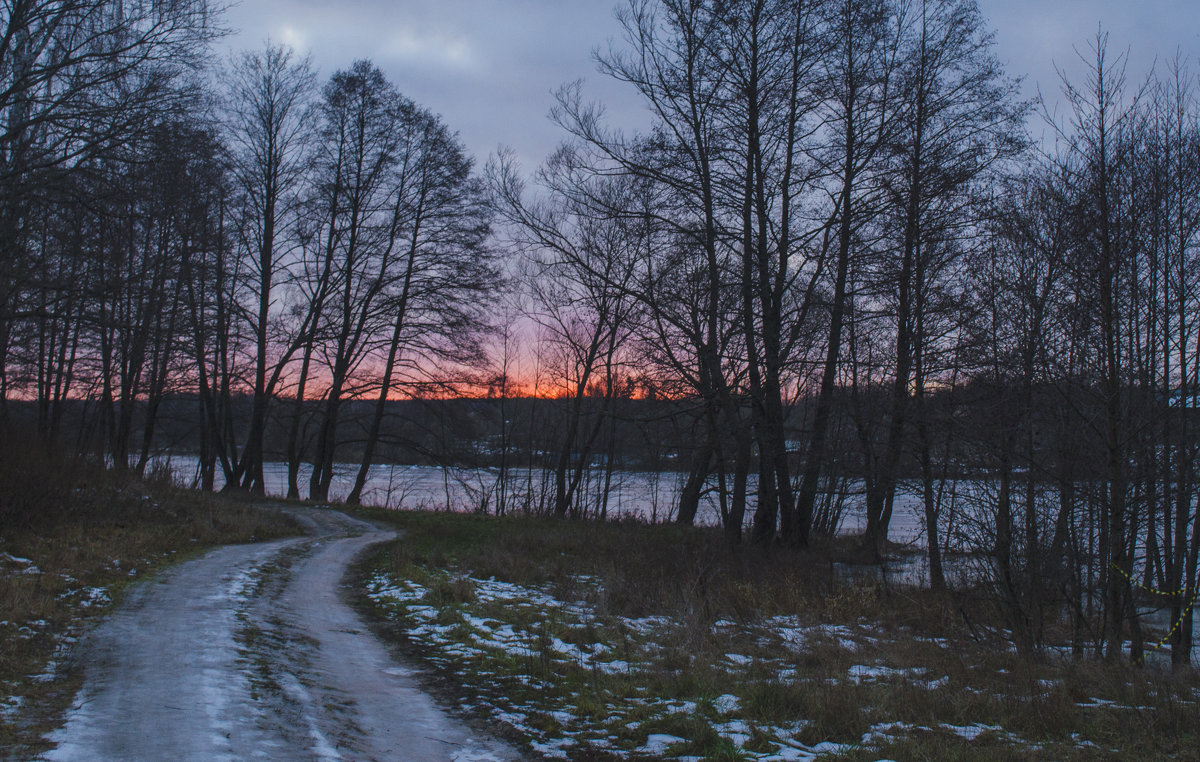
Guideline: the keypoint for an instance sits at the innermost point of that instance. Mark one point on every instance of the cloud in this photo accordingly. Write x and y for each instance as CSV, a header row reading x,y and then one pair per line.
x,y
290,35
489,67
442,49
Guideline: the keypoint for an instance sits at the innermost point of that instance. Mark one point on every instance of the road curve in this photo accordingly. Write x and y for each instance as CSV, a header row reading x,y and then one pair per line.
x,y
249,652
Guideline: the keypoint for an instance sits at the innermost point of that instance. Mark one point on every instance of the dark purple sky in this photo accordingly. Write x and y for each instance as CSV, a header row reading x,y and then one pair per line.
x,y
489,66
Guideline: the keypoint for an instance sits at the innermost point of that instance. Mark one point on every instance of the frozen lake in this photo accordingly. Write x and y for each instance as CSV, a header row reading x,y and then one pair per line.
x,y
643,495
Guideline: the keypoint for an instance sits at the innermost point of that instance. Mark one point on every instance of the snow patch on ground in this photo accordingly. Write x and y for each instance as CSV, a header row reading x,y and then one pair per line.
x,y
861,673
798,636
10,707
12,566
971,732
1098,703
727,703
657,743
88,597
885,732
647,625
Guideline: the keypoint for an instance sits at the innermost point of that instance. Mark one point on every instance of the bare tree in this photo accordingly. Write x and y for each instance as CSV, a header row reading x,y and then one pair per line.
x,y
1101,142
269,126
959,120
581,261
445,276
78,79
860,104
675,67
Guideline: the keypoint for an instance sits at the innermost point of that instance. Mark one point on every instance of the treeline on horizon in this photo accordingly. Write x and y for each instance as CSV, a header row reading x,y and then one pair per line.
x,y
639,433
838,251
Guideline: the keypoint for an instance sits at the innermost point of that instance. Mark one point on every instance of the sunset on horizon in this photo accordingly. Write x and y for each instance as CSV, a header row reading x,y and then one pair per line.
x,y
477,381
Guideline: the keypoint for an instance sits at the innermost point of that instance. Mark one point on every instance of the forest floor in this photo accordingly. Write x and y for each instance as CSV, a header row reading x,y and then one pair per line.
x,y
627,641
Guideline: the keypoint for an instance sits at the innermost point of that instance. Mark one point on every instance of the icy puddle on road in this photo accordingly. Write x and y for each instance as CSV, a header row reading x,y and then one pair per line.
x,y
249,653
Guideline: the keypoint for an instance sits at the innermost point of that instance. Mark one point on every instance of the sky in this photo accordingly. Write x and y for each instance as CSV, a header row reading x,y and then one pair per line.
x,y
490,67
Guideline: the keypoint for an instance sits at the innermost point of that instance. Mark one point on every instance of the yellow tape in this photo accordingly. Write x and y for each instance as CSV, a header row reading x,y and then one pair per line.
x,y
1187,609
1135,583
1174,627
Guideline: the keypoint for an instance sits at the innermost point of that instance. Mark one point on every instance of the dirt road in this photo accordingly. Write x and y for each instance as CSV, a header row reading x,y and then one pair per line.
x,y
249,652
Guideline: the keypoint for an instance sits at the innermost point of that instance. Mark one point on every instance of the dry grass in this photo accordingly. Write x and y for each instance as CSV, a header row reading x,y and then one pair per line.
x,y
953,674
87,534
